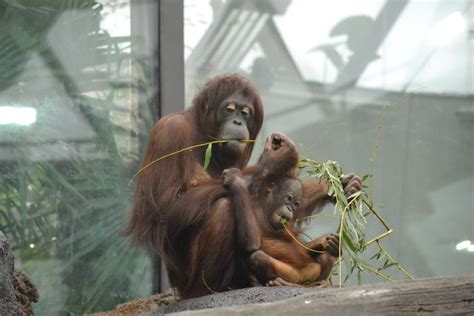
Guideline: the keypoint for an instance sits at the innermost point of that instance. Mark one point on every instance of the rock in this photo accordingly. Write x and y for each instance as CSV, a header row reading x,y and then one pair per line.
x,y
237,297
25,292
142,305
8,301
165,303
17,291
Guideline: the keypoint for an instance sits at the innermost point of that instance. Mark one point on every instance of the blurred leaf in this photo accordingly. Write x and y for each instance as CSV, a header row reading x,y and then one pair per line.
x,y
71,208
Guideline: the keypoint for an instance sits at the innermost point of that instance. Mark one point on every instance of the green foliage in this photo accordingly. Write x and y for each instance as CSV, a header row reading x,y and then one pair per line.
x,y
352,212
68,203
72,212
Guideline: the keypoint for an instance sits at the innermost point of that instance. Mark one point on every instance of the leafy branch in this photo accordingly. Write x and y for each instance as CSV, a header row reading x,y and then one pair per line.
x,y
352,213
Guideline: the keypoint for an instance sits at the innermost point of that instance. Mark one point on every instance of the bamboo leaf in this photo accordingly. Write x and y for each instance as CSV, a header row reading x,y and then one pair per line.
x,y
359,276
331,191
349,242
377,255
386,266
207,156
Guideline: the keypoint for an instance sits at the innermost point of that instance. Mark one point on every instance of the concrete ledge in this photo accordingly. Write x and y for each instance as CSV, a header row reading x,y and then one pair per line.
x,y
453,295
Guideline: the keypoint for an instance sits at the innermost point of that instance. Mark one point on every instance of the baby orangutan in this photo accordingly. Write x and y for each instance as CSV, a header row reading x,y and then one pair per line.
x,y
262,196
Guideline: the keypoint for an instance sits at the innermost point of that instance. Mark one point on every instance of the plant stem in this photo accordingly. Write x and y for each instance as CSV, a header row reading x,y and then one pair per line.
x,y
385,277
398,265
389,230
378,137
186,149
340,247
299,242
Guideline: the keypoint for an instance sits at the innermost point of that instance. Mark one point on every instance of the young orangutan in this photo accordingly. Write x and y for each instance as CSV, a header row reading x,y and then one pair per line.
x,y
293,262
265,194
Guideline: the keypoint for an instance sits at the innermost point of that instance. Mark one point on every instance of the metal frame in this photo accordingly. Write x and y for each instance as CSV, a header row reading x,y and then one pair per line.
x,y
171,55
161,24
171,84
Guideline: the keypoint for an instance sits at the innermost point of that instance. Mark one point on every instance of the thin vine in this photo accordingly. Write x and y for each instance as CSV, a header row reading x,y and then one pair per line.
x,y
207,156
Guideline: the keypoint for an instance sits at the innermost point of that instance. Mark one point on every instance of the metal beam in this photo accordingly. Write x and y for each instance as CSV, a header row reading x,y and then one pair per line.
x,y
171,86
171,55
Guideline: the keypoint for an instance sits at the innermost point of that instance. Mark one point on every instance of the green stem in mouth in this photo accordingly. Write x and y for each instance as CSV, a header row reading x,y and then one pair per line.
x,y
219,141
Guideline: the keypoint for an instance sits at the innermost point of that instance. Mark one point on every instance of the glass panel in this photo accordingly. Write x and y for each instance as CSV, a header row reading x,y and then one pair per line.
x,y
75,111
328,72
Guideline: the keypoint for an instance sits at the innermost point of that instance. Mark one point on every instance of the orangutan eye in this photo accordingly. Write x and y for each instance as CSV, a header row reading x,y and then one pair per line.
x,y
288,198
246,111
230,107
297,203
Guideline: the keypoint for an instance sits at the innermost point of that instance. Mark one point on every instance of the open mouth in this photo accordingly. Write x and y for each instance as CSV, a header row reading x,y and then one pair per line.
x,y
276,142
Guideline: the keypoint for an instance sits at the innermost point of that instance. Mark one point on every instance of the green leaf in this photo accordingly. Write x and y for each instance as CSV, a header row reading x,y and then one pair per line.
x,y
207,156
331,191
388,265
348,275
350,244
359,277
377,255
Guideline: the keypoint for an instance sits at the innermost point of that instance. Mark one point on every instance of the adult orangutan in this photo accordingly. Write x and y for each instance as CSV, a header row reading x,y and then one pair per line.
x,y
227,107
